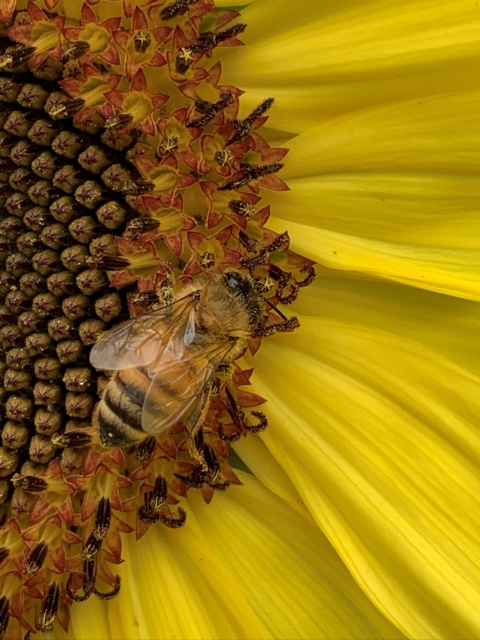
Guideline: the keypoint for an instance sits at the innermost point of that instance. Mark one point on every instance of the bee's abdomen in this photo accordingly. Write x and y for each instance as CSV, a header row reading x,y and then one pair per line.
x,y
120,410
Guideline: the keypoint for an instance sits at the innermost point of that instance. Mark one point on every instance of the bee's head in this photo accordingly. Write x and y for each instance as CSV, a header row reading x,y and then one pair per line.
x,y
244,287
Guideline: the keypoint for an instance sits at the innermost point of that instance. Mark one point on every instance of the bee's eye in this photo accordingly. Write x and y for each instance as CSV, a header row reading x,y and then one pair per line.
x,y
238,284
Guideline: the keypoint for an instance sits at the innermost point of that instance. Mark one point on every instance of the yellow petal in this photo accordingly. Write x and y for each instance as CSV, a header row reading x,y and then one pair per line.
x,y
390,192
262,464
450,326
379,435
323,59
245,566
286,569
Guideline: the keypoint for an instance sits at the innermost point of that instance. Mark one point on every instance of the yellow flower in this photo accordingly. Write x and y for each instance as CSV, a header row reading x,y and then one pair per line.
x,y
359,517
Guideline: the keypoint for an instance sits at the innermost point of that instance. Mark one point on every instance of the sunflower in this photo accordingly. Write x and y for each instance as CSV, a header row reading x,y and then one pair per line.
x,y
355,514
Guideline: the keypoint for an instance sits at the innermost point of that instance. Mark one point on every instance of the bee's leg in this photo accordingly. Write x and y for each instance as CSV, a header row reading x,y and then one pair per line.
x,y
194,424
237,416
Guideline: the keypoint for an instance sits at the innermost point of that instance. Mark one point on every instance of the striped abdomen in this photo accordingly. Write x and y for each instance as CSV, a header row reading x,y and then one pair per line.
x,y
120,411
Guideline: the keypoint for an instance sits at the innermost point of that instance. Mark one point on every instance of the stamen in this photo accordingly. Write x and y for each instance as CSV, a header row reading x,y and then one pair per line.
x,y
146,449
49,608
4,617
262,256
102,519
91,547
252,172
15,56
243,128
35,560
32,484
74,50
119,121
210,110
209,40
72,439
176,9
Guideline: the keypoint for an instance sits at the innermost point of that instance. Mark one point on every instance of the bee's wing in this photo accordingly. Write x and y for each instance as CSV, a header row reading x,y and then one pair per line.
x,y
177,386
138,342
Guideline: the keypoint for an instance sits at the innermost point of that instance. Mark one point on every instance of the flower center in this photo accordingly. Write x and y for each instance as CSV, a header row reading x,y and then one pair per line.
x,y
115,198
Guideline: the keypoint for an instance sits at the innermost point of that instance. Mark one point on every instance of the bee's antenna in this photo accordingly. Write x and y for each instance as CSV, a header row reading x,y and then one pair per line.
x,y
276,309
288,324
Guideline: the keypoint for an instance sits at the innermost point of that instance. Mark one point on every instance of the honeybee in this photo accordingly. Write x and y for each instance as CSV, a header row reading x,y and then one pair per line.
x,y
167,362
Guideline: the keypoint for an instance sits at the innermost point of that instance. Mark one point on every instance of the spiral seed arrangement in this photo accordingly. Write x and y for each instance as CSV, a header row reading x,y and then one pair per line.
x,y
103,208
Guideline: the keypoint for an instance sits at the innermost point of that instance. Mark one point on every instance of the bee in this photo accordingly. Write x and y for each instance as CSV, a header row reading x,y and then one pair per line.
x,y
169,362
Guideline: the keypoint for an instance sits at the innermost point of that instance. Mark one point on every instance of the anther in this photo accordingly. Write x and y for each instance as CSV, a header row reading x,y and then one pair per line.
x,y
237,416
102,519
74,50
176,9
279,242
210,110
35,560
146,449
49,608
209,40
212,463
15,56
60,106
72,439
119,121
137,187
141,225
243,128
91,547
111,263
159,494
252,172
32,484
4,617
249,243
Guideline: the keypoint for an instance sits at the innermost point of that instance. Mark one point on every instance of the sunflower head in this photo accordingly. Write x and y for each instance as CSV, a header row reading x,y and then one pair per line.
x,y
125,173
